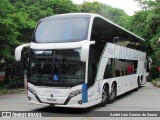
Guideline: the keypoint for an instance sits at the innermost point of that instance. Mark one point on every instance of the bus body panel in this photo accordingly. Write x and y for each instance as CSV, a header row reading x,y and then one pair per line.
x,y
127,82
54,95
70,45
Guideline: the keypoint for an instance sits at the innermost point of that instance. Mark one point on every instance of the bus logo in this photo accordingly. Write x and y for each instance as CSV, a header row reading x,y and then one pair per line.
x,y
6,114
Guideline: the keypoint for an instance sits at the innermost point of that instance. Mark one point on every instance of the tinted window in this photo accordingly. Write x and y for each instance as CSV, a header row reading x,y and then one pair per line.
x,y
108,73
94,56
119,67
56,68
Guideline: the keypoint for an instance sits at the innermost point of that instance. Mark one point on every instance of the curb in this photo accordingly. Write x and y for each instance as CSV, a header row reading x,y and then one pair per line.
x,y
157,84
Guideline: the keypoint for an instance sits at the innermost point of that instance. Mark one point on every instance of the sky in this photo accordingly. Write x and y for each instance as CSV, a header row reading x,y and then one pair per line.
x,y
129,6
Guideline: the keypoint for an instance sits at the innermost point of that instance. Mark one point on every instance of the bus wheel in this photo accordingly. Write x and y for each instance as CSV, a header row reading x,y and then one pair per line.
x,y
105,96
113,95
139,84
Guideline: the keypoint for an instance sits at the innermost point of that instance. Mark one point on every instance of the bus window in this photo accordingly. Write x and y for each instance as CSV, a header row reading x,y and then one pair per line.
x,y
108,70
135,66
62,30
94,56
117,73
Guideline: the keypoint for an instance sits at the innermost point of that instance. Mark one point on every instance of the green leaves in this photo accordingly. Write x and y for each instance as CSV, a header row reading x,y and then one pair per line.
x,y
18,18
114,14
147,25
60,6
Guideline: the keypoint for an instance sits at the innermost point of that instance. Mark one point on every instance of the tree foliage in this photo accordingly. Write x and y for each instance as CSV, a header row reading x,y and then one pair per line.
x,y
147,25
114,14
18,19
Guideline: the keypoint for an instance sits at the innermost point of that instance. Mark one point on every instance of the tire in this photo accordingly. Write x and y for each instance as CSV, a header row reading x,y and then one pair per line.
x,y
113,94
105,96
139,84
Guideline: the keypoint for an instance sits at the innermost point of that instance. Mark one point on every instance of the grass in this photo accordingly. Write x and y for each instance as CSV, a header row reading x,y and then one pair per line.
x,y
156,82
11,87
6,91
2,90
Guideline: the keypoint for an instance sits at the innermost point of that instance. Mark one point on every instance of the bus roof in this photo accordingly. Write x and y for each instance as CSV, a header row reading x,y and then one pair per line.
x,y
93,15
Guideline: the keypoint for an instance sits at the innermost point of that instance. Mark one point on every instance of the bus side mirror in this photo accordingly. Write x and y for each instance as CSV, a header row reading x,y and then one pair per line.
x,y
18,51
85,51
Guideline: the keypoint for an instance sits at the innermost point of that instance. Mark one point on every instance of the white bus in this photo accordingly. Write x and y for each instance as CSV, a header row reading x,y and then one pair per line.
x,y
78,60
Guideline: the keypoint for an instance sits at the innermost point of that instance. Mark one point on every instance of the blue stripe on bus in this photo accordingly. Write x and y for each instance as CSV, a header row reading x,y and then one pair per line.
x,y
84,93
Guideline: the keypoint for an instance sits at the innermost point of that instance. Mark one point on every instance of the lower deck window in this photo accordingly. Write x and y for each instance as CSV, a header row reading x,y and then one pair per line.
x,y
119,67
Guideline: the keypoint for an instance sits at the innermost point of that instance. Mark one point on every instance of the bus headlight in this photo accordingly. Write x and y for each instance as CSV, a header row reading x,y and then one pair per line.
x,y
32,91
75,93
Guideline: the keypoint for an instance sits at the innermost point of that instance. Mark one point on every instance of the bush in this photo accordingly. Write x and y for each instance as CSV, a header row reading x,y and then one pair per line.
x,y
154,73
12,84
156,82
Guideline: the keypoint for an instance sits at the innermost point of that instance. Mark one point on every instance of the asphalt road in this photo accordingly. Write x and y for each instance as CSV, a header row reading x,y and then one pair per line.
x,y
147,98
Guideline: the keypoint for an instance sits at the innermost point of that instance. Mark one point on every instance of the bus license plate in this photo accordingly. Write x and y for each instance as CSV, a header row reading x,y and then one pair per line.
x,y
52,100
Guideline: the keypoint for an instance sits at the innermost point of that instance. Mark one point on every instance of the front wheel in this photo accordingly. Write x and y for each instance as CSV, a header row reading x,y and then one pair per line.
x,y
113,94
105,96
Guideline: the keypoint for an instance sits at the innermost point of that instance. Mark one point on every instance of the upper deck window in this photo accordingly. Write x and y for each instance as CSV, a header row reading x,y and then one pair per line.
x,y
60,30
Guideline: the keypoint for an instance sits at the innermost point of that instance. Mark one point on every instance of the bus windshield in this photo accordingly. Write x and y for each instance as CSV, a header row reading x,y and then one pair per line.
x,y
62,30
58,68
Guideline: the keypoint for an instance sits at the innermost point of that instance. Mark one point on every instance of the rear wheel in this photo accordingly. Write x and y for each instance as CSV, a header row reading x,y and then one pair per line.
x,y
139,84
113,94
105,96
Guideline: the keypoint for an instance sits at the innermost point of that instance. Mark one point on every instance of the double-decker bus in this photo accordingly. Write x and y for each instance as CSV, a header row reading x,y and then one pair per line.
x,y
79,60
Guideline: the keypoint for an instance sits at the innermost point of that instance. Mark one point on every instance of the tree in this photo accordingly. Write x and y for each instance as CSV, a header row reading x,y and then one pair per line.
x,y
11,24
60,6
34,10
18,19
8,33
148,26
114,14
